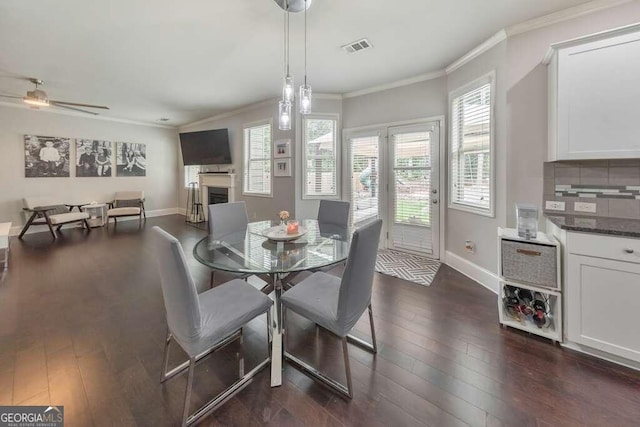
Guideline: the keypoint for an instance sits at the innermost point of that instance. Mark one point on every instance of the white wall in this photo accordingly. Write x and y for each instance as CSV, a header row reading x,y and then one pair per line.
x,y
283,187
527,97
461,226
162,150
416,101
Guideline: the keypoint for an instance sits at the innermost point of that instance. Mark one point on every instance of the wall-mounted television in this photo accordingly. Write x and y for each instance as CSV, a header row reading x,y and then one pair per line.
x,y
207,147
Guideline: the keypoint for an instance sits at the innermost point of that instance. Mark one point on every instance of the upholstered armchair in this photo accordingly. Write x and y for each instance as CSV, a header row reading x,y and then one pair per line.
x,y
52,212
126,203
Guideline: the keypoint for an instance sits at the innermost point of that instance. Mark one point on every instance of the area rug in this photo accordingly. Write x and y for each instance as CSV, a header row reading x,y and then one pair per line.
x,y
413,268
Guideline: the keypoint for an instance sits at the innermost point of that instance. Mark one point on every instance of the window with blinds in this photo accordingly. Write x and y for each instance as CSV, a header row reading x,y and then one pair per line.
x,y
470,145
319,147
412,178
257,159
364,178
191,175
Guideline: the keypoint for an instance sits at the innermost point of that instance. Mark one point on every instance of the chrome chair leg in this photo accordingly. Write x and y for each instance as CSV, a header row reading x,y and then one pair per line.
x,y
314,372
373,330
269,332
187,394
373,347
347,366
165,359
213,404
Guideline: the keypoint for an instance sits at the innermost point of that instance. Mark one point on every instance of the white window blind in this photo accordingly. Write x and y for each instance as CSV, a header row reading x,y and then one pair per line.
x,y
365,178
191,175
319,152
257,159
470,149
412,174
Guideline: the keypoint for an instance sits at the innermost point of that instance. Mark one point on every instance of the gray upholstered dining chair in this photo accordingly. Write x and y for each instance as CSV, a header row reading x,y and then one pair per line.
x,y
336,304
334,212
202,324
225,220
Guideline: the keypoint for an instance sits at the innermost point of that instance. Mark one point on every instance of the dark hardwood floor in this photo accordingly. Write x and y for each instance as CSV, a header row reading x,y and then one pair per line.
x,y
82,325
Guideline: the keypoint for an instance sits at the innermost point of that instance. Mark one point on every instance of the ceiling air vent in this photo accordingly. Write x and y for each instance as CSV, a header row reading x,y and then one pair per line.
x,y
358,46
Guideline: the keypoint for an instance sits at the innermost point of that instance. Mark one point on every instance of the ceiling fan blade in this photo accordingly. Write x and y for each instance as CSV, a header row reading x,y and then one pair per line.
x,y
72,108
11,96
78,105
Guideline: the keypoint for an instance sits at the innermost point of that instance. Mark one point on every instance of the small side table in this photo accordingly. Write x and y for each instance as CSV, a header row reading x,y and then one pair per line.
x,y
5,227
97,214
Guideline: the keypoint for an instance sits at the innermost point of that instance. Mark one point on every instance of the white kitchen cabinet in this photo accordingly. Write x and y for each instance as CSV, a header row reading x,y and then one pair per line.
x,y
603,302
593,96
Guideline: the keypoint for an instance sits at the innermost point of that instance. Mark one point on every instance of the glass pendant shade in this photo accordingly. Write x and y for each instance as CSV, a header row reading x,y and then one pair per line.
x,y
288,88
284,115
305,99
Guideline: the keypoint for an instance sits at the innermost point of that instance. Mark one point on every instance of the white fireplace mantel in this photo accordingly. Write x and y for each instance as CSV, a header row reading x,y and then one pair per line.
x,y
221,180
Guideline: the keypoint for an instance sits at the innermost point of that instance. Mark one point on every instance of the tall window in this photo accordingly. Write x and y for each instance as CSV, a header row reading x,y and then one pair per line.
x,y
471,147
257,159
319,147
191,175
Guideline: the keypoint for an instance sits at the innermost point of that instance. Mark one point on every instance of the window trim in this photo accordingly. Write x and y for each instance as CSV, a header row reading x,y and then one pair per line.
x,y
337,151
184,175
489,78
246,126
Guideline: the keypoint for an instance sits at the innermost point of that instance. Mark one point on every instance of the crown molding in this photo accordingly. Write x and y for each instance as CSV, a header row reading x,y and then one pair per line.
x,y
332,96
534,24
398,83
492,41
563,15
229,113
85,116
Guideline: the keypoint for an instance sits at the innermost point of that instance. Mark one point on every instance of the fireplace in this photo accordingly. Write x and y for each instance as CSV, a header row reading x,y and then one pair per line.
x,y
216,188
218,195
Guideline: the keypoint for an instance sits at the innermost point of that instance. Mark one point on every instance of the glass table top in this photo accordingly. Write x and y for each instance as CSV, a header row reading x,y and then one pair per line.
x,y
252,252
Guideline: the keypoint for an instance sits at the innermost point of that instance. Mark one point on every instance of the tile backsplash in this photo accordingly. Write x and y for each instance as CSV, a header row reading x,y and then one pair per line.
x,y
613,185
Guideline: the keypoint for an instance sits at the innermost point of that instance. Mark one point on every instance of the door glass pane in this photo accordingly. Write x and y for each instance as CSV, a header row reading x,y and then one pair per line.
x,y
365,172
412,176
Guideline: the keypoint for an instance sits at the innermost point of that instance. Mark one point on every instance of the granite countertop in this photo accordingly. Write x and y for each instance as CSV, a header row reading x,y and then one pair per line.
x,y
601,225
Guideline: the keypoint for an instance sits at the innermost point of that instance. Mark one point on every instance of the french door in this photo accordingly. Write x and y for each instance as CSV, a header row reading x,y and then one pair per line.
x,y
393,174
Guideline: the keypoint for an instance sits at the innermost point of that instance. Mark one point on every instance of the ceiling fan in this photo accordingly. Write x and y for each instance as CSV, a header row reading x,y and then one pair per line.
x,y
38,98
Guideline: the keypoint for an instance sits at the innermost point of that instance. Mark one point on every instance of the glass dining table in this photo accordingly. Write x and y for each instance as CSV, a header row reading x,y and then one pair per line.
x,y
251,252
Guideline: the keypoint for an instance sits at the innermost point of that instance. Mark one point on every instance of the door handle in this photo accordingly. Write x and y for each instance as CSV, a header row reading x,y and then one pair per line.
x,y
435,201
434,191
629,250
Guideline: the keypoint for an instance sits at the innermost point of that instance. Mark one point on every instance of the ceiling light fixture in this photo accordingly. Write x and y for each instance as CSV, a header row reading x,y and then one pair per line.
x,y
284,106
305,89
37,97
288,95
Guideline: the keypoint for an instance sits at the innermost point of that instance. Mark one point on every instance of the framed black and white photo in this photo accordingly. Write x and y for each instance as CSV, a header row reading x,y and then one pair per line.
x,y
131,159
46,156
282,167
93,158
282,148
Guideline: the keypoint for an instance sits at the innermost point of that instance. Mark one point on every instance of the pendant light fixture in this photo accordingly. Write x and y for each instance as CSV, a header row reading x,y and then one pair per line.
x,y
288,95
305,89
284,106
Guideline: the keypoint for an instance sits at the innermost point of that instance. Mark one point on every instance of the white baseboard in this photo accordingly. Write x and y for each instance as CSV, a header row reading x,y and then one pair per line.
x,y
602,355
182,211
473,271
15,230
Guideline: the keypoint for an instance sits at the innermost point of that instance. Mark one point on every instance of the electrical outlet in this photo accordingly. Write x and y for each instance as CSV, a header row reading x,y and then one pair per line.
x,y
551,205
470,246
584,207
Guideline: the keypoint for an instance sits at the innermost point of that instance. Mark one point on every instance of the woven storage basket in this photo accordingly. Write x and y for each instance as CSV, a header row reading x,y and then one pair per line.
x,y
530,263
